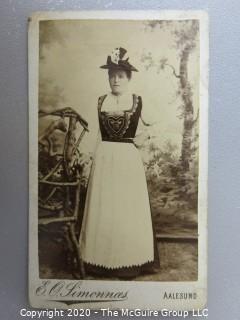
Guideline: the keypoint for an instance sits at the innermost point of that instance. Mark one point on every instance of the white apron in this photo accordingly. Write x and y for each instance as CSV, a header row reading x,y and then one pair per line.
x,y
117,225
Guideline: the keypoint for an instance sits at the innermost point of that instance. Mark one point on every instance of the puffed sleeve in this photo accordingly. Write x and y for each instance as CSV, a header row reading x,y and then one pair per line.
x,y
144,126
146,116
145,120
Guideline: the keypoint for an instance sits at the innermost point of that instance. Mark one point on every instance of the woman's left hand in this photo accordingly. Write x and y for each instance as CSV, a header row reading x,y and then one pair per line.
x,y
140,139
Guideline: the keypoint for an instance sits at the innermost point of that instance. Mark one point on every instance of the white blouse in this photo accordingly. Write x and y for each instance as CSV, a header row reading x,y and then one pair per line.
x,y
113,102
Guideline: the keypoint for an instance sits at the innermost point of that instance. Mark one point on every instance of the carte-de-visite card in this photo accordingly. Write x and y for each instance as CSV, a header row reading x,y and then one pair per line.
x,y
118,129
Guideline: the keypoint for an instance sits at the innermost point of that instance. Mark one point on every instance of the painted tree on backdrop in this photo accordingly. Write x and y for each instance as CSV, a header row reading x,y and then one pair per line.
x,y
185,35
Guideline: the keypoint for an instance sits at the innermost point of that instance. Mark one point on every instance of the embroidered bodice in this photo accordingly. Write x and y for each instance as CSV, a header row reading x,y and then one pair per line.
x,y
119,124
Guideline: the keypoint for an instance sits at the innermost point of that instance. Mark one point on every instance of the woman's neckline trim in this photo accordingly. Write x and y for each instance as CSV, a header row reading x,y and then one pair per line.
x,y
132,109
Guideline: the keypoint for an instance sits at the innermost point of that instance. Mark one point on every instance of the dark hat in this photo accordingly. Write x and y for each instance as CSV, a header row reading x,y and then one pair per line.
x,y
118,61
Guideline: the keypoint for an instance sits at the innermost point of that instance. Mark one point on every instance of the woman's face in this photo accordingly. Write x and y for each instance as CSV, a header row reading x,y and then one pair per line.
x,y
118,81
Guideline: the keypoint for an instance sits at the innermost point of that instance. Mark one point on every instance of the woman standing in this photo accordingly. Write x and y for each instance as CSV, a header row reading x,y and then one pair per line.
x,y
117,234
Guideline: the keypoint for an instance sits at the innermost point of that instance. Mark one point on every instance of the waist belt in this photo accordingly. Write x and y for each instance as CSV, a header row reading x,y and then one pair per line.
x,y
124,140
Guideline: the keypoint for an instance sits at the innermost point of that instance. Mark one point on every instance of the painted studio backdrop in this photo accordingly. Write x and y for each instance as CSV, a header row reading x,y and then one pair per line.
x,y
166,54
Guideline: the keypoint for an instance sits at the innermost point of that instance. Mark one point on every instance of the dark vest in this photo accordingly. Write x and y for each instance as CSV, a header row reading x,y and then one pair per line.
x,y
119,126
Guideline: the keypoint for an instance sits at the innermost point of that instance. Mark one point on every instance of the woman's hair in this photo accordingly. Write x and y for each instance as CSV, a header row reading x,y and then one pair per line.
x,y
128,72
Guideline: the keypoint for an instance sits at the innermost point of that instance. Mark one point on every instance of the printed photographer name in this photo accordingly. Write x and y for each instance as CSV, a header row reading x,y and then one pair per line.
x,y
63,289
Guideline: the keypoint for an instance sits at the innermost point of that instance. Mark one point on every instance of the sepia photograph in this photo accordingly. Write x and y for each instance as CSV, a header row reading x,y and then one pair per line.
x,y
118,156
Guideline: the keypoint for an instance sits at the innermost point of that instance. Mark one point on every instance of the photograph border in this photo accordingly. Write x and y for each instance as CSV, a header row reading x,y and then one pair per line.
x,y
140,294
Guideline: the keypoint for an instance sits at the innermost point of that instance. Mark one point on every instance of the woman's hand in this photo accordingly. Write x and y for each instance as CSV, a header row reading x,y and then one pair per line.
x,y
140,139
83,159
